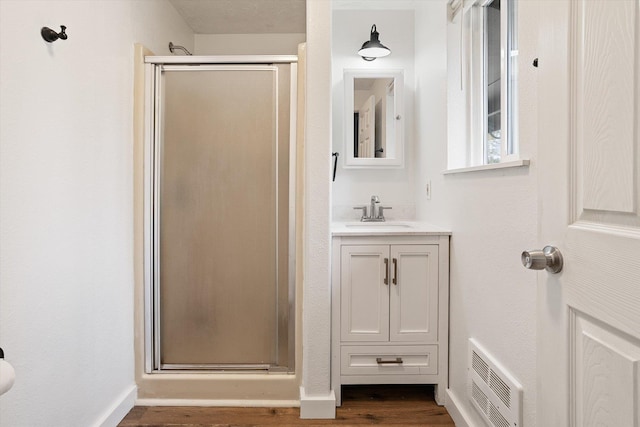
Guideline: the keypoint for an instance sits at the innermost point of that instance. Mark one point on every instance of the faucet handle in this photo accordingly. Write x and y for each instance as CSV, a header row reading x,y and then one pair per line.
x,y
381,211
364,210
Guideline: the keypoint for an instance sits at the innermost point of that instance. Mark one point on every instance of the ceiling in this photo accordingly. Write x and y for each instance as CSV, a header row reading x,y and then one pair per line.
x,y
243,16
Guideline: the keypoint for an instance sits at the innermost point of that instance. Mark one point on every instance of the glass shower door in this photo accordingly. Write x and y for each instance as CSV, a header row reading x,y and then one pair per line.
x,y
221,197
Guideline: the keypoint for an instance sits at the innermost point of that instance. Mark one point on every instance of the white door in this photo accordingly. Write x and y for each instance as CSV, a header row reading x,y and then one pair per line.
x,y
364,293
413,306
589,168
366,133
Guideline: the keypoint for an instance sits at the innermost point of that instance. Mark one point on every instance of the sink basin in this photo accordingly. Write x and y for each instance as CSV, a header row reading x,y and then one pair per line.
x,y
390,228
379,225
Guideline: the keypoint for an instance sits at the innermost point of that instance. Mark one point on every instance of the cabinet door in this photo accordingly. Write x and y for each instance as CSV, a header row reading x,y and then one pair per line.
x,y
364,304
414,293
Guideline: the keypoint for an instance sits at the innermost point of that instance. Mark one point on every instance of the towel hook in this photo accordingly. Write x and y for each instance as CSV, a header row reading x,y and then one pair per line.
x,y
50,35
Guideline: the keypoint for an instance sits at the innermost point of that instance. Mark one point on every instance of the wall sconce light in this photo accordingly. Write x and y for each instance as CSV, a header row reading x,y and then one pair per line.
x,y
372,48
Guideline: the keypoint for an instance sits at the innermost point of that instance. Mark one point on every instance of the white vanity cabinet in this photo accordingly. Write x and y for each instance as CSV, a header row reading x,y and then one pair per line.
x,y
390,295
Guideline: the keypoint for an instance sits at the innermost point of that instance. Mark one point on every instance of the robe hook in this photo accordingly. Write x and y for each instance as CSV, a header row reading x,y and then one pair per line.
x,y
50,35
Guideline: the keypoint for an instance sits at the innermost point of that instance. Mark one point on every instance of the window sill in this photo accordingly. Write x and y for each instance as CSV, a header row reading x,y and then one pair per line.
x,y
512,164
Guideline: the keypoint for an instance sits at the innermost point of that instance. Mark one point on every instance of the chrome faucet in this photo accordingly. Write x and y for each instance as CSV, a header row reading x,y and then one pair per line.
x,y
376,211
372,210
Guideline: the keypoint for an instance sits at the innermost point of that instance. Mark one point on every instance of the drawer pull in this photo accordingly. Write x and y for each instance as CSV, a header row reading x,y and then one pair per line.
x,y
379,361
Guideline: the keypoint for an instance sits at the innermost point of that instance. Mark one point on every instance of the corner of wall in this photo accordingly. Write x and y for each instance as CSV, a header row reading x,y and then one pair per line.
x,y
457,410
119,408
316,311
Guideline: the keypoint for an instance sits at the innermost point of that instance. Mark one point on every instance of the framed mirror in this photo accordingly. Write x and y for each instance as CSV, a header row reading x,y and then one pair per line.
x,y
373,105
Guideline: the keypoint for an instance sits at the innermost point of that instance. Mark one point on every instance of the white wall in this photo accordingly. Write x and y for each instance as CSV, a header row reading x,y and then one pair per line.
x,y
356,186
317,400
248,44
492,214
66,215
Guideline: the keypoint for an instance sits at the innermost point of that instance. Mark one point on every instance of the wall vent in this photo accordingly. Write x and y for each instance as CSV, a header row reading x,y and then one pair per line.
x,y
492,390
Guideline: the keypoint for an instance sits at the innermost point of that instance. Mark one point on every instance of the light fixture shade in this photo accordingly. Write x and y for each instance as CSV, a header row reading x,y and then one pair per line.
x,y
372,48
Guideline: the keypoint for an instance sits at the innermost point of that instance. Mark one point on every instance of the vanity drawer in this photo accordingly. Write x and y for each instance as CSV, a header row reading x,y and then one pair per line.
x,y
386,360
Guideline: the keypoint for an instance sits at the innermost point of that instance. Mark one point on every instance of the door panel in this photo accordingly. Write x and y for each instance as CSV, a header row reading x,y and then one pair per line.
x,y
364,295
366,122
603,260
218,294
589,314
414,296
606,73
607,374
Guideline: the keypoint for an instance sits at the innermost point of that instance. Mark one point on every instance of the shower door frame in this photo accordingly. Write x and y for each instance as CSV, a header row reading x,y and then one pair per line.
x,y
153,123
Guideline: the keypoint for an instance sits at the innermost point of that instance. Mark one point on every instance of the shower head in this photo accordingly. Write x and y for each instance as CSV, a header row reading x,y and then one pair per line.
x,y
173,47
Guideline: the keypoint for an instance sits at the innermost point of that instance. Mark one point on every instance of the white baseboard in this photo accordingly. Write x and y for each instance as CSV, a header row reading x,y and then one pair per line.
x,y
119,409
459,413
247,403
317,407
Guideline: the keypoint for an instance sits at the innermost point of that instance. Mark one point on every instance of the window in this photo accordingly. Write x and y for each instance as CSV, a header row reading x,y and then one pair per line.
x,y
492,82
488,80
497,70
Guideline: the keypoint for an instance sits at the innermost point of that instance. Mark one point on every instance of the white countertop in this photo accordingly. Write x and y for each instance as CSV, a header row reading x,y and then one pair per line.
x,y
388,228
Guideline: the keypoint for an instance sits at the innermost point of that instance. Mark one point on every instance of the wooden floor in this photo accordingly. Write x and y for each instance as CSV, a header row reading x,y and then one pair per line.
x,y
387,405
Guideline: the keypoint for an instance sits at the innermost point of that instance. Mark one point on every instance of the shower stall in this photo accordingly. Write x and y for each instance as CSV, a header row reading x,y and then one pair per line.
x,y
220,214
